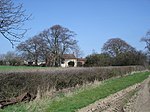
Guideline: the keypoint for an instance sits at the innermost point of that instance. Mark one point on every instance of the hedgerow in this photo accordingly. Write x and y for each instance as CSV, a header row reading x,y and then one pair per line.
x,y
15,83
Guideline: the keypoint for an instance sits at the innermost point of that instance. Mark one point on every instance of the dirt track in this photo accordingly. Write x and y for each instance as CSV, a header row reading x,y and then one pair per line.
x,y
112,103
124,101
140,102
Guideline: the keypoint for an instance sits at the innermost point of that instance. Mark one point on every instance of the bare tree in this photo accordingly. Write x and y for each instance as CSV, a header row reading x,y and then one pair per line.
x,y
12,58
116,46
12,19
49,45
2,56
146,39
31,49
46,48
77,51
60,40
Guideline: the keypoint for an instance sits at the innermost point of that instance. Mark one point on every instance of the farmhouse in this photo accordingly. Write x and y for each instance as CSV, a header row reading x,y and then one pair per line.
x,y
69,60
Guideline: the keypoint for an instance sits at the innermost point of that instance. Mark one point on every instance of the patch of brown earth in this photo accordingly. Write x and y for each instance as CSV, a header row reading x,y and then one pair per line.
x,y
140,102
112,103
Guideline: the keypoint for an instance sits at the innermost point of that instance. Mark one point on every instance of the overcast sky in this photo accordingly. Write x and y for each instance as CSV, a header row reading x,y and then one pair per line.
x,y
94,21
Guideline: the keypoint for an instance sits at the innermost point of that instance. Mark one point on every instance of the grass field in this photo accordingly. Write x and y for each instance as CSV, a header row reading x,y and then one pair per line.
x,y
22,68
81,98
19,67
14,68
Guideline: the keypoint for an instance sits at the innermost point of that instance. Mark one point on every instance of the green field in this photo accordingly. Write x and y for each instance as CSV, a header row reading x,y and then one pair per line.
x,y
22,68
81,98
6,68
19,67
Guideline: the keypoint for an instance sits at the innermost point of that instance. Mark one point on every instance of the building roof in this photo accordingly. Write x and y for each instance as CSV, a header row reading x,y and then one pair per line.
x,y
81,59
69,56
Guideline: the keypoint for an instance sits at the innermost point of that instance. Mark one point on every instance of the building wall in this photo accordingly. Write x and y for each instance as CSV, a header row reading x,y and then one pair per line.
x,y
67,61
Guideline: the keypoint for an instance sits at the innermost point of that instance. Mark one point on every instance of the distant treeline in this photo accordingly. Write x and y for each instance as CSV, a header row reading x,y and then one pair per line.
x,y
117,52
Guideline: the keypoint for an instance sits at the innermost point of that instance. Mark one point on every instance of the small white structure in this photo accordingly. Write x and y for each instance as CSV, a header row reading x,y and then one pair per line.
x,y
69,60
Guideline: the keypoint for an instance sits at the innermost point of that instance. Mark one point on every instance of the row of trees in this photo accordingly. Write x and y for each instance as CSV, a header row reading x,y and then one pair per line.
x,y
11,58
51,44
117,52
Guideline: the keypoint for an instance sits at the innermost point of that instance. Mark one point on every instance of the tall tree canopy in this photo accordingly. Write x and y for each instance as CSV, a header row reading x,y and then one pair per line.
x,y
60,40
32,49
122,53
12,19
116,46
50,44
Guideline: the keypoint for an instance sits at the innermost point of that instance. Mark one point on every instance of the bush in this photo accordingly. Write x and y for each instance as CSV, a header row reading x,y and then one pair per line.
x,y
98,60
15,83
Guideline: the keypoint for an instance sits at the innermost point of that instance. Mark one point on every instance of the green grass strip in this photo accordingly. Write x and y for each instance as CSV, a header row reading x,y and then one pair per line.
x,y
20,68
88,96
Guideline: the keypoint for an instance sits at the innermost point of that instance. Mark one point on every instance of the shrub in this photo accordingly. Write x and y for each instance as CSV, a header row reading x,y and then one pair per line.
x,y
98,60
15,83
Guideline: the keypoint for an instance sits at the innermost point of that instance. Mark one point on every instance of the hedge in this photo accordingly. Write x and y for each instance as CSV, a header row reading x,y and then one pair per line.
x,y
15,83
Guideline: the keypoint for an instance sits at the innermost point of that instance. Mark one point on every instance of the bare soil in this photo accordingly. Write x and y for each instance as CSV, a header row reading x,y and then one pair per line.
x,y
112,103
135,98
140,102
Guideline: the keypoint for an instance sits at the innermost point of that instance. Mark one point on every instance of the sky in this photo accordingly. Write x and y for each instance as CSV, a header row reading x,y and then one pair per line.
x,y
94,21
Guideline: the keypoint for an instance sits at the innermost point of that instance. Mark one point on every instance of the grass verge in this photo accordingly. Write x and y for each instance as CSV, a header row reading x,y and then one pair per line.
x,y
81,98
88,96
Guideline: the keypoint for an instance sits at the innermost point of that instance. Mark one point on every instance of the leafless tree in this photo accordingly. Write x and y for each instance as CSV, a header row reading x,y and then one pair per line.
x,y
46,48
77,51
116,46
2,56
146,39
31,49
11,58
12,19
49,45
60,40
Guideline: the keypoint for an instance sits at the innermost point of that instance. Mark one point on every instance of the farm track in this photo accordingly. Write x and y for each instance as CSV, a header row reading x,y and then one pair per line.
x,y
112,103
140,102
135,98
